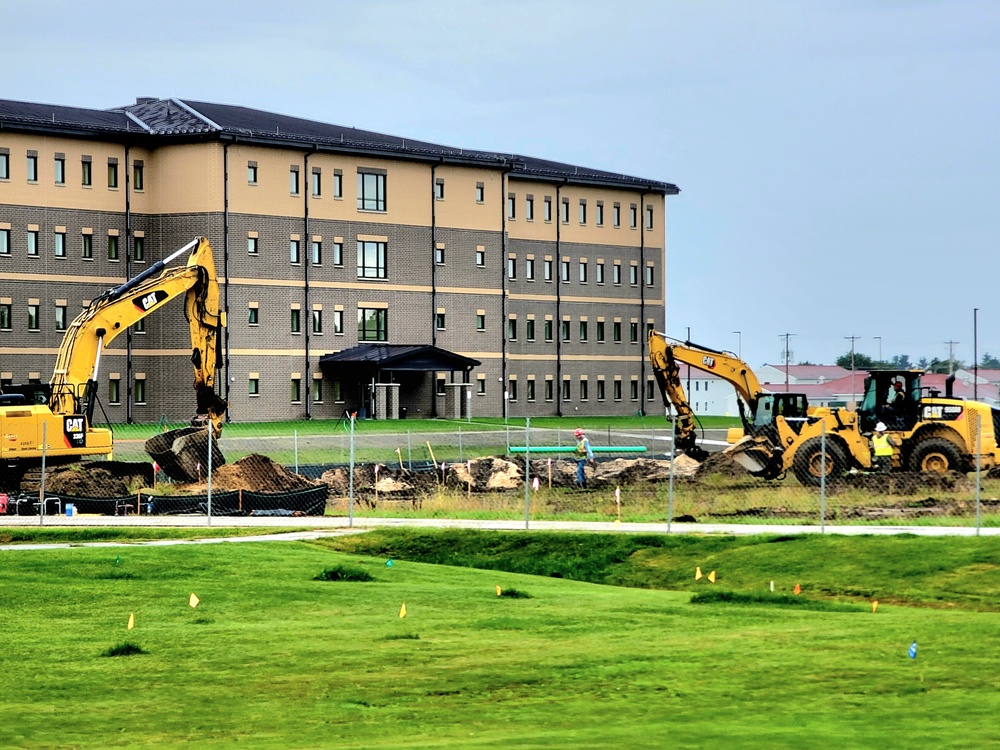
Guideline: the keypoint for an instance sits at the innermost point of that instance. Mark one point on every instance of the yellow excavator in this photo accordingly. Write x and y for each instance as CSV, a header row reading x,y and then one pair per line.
x,y
63,412
781,432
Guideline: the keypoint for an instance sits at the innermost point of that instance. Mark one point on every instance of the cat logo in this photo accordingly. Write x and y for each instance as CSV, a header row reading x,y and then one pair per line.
x,y
709,362
73,431
74,424
151,300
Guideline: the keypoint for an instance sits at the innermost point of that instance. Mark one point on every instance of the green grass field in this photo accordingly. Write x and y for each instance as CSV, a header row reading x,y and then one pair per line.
x,y
273,658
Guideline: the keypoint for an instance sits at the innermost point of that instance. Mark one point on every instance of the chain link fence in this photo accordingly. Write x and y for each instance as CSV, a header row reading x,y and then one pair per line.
x,y
519,472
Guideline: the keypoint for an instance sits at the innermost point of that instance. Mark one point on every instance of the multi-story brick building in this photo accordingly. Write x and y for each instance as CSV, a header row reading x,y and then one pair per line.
x,y
544,276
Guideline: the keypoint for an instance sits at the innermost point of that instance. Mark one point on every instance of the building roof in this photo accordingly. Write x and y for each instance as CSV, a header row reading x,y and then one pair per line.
x,y
813,372
412,357
151,121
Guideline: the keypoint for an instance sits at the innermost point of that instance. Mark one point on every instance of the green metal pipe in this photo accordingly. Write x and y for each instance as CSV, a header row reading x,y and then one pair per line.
x,y
572,449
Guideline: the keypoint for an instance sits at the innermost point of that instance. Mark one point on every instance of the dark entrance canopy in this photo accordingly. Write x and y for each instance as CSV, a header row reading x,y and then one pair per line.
x,y
395,358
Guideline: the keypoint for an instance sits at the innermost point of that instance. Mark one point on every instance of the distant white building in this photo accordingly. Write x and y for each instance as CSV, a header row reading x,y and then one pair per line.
x,y
801,374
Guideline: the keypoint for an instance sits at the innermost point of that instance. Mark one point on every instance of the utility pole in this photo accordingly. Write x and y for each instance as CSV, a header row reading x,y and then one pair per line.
x,y
689,366
975,354
879,339
739,344
951,356
788,356
853,339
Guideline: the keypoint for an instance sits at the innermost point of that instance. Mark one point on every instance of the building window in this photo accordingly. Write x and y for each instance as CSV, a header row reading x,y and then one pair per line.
x,y
440,383
529,208
633,275
584,390
33,244
512,329
114,391
139,249
565,330
548,208
548,389
564,209
583,211
112,247
294,252
338,322
599,273
253,387
633,332
296,390
649,217
139,326
371,191
33,317
113,174
529,329
317,253
547,271
600,213
481,386
616,215
140,391
512,268
296,321
529,269
600,390
338,253
335,387
649,390
252,172
600,332
60,317
564,270
529,390
87,246
616,332
4,242
373,324
439,255
480,257
293,180
512,389
32,167
583,330
86,172
59,245
252,245
138,176
616,390
439,321
371,260
583,272
547,330
616,274
566,390
633,216
439,189
317,322
60,170
633,390
649,275
480,192
511,206
317,183
317,394
253,316
6,317
480,321
4,164
338,184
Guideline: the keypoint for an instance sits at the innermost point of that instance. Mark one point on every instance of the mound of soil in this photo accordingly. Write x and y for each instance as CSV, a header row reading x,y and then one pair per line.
x,y
721,464
82,481
391,481
485,474
256,473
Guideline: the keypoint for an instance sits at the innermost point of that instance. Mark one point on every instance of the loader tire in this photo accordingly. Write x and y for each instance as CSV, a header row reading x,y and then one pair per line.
x,y
936,455
808,462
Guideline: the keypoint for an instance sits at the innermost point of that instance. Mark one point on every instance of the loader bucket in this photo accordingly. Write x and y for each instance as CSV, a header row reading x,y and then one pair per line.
x,y
183,453
757,456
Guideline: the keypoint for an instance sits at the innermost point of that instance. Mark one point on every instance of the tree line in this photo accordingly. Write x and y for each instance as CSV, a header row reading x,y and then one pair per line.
x,y
903,362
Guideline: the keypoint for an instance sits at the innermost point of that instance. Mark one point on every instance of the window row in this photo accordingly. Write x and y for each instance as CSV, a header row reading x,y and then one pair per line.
x,y
582,390
583,271
33,317
583,329
59,173
60,244
564,211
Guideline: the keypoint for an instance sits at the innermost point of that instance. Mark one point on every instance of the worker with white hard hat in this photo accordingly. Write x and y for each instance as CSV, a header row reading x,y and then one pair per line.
x,y
882,447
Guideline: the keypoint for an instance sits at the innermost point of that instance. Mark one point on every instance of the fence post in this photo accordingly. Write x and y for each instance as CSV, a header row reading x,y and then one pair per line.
x,y
41,487
350,475
295,440
461,454
507,428
822,478
209,485
527,472
409,452
670,490
979,471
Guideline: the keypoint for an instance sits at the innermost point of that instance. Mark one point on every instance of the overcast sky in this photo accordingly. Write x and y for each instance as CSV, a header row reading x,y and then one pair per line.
x,y
838,161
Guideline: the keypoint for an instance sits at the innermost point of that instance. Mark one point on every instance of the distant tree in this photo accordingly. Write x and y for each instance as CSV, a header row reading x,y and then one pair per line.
x,y
989,362
807,362
923,364
901,362
861,361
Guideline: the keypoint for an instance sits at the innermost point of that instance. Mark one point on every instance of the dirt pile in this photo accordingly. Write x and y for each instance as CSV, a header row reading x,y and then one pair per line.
x,y
909,482
391,481
85,482
485,474
255,473
721,465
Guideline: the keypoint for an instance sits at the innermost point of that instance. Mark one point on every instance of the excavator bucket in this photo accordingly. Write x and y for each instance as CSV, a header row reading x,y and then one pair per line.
x,y
183,453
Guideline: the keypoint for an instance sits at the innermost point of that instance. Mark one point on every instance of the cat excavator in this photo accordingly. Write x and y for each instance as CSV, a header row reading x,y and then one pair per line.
x,y
781,432
57,420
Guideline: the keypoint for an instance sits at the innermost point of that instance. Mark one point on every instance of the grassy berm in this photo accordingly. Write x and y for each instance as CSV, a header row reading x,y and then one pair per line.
x,y
272,658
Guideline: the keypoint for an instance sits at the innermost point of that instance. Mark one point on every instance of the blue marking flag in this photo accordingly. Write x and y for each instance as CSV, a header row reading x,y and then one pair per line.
x,y
913,650
388,563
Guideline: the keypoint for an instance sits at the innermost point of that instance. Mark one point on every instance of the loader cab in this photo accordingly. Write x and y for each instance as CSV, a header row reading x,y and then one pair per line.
x,y
875,406
792,406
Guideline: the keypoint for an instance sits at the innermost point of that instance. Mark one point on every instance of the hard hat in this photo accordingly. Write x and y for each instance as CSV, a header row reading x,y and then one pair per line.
x,y
578,433
880,427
